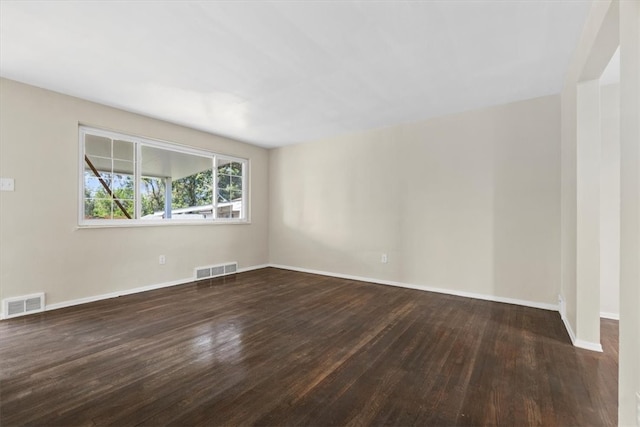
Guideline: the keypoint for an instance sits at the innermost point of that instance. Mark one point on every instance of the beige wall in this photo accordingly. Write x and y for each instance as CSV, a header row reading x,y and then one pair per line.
x,y
41,248
610,201
468,203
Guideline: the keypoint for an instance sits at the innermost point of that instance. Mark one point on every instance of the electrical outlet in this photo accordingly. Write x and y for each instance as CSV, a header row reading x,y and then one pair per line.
x,y
162,260
384,259
7,184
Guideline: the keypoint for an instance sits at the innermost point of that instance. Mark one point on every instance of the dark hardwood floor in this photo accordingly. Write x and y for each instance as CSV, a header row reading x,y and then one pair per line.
x,y
274,347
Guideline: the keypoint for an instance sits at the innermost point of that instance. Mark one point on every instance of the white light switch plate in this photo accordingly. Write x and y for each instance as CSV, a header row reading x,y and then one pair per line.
x,y
7,184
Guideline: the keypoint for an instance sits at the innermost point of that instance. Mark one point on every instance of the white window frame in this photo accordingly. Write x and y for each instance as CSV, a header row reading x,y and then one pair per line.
x,y
139,142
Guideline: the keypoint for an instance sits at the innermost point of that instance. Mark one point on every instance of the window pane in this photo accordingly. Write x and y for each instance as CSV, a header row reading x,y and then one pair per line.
x,y
122,166
236,169
228,167
237,209
123,150
230,189
89,207
152,197
192,196
225,169
127,205
236,187
97,200
224,210
97,146
124,184
99,163
224,188
91,184
191,180
96,208
117,200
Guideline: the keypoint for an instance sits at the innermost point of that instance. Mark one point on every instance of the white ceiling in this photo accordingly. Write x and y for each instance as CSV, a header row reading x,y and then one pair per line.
x,y
276,73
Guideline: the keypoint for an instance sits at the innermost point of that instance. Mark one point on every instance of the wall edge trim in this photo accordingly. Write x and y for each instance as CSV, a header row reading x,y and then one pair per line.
x,y
568,327
608,315
136,290
588,345
532,304
85,300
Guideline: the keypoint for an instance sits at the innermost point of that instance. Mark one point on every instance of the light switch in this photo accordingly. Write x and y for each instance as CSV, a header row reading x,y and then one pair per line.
x,y
7,184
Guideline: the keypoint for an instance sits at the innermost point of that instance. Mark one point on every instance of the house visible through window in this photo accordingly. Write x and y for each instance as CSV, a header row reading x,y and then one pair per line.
x,y
127,178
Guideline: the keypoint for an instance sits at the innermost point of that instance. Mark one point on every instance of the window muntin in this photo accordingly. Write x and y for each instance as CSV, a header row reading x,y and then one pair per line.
x,y
135,180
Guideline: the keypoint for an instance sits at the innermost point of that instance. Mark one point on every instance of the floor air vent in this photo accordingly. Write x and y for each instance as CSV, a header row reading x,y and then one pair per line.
x,y
216,270
19,306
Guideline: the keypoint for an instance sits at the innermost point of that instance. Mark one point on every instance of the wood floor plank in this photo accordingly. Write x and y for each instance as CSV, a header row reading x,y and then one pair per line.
x,y
275,347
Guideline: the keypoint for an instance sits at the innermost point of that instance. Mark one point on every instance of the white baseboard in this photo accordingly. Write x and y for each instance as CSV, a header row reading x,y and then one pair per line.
x,y
117,294
607,315
565,321
587,345
533,304
569,329
123,292
253,267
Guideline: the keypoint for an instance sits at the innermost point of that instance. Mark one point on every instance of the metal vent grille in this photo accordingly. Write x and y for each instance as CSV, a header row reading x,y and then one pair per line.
x,y
218,270
32,304
19,306
202,273
15,307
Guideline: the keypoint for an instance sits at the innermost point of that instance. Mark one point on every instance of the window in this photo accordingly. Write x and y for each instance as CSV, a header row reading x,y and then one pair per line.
x,y
127,179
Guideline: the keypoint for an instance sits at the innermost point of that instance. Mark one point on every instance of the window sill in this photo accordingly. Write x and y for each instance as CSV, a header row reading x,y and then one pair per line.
x,y
163,223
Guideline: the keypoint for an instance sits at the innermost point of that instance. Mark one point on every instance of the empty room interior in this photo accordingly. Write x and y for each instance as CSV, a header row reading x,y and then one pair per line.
x,y
320,213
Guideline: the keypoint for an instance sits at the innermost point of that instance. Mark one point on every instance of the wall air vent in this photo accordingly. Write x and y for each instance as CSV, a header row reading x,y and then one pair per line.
x,y
203,273
19,306
218,270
